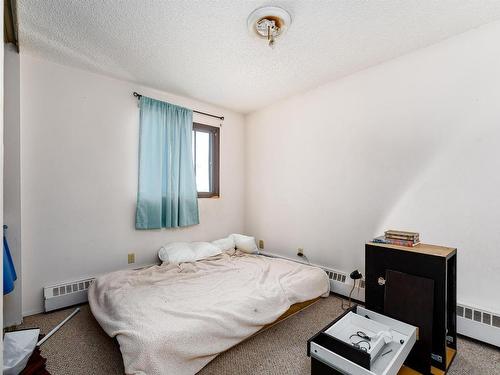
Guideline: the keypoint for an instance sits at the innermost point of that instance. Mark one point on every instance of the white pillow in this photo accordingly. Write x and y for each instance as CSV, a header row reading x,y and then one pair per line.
x,y
204,250
225,244
179,252
245,243
176,252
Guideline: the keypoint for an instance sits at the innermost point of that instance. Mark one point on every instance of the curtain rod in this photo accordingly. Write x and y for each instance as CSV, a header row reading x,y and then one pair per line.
x,y
138,96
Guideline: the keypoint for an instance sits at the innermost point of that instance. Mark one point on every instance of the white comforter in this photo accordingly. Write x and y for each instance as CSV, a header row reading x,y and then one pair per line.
x,y
174,319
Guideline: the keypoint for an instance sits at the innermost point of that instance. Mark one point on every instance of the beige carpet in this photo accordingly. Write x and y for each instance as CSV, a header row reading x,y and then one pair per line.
x,y
81,347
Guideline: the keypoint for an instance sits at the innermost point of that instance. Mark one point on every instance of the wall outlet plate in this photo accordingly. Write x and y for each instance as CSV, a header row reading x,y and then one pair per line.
x,y
300,251
261,244
131,258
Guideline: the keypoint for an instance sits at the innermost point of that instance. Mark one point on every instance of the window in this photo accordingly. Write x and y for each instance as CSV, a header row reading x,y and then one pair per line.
x,y
206,159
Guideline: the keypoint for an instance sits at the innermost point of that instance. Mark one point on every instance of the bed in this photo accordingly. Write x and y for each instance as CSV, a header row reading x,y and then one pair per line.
x,y
176,318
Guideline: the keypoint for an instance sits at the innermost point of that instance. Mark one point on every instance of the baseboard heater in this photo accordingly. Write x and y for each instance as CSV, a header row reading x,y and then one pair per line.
x,y
479,324
341,284
62,295
66,294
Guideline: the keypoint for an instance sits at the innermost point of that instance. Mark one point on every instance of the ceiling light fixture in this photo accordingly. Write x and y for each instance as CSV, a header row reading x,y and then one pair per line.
x,y
269,23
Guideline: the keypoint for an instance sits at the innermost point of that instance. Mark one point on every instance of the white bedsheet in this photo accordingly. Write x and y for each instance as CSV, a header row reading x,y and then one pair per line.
x,y
174,319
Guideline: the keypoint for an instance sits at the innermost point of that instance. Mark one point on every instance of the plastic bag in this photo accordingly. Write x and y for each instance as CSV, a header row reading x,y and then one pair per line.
x,y
17,349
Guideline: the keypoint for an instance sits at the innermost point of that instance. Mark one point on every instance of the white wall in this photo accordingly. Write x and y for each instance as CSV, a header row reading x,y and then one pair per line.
x,y
12,180
413,144
79,157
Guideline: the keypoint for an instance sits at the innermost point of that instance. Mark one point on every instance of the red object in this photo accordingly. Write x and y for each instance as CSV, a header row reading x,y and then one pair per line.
x,y
36,364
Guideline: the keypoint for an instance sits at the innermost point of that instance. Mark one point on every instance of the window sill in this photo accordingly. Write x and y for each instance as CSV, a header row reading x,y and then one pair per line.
x,y
209,197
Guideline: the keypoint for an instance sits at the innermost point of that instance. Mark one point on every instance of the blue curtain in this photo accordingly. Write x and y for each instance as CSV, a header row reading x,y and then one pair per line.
x,y
167,195
9,272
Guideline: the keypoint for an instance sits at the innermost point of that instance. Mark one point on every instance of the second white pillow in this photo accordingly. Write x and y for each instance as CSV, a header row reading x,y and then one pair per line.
x,y
176,252
225,244
245,243
180,252
204,250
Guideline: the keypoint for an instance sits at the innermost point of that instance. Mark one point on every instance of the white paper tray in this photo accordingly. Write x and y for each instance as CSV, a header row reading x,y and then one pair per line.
x,y
366,320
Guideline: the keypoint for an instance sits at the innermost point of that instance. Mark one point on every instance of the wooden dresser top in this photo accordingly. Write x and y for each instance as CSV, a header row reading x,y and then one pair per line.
x,y
422,248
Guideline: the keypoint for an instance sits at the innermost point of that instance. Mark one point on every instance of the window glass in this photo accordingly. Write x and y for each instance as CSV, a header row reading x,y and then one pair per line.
x,y
206,159
203,162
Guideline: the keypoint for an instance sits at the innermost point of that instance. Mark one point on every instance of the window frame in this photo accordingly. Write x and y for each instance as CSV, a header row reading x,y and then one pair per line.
x,y
214,132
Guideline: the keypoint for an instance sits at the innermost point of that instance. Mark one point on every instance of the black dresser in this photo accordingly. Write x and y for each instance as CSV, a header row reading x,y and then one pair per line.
x,y
417,285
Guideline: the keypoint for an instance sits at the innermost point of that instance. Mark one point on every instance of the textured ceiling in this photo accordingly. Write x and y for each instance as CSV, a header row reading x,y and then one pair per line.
x,y
203,50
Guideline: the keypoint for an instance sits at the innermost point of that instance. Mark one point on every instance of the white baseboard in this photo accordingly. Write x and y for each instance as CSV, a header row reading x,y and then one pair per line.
x,y
32,312
9,323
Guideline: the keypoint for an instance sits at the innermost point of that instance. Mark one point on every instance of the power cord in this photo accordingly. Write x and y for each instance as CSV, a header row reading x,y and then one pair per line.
x,y
355,275
362,338
303,256
350,295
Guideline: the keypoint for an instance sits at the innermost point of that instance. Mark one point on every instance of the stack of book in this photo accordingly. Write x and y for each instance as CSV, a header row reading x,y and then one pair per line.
x,y
399,237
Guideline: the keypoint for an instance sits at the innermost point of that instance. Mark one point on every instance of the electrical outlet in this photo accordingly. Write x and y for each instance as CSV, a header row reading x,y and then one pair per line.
x,y
261,244
131,258
300,251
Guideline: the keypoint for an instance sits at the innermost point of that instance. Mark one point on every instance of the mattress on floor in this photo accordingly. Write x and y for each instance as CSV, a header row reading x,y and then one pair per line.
x,y
174,319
